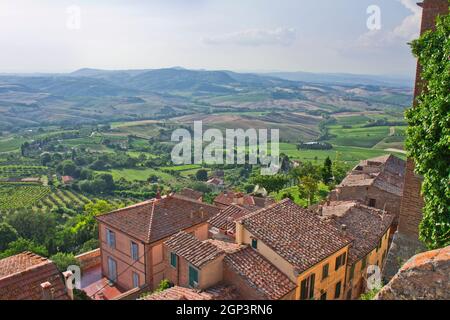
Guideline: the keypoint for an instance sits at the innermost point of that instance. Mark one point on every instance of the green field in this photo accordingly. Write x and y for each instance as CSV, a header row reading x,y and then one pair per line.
x,y
21,195
11,144
139,174
341,153
19,171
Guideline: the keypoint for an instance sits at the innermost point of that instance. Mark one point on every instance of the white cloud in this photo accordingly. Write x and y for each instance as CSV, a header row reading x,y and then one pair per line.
x,y
255,37
406,31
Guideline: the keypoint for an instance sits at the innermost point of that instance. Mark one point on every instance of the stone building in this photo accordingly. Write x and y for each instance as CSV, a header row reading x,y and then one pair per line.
x,y
376,182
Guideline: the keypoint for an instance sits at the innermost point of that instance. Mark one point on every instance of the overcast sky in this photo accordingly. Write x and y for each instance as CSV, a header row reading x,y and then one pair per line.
x,y
240,35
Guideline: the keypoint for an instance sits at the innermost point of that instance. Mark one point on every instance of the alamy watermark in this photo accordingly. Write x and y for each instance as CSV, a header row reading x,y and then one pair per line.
x,y
374,20
239,146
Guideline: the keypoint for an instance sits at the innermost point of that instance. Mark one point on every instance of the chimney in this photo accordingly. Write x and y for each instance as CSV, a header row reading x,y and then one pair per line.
x,y
158,194
68,280
320,210
47,291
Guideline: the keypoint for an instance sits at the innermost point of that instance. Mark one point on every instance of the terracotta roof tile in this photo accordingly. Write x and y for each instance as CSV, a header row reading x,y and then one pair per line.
x,y
296,234
259,273
219,292
196,252
225,219
21,277
157,219
191,194
386,173
365,225
245,200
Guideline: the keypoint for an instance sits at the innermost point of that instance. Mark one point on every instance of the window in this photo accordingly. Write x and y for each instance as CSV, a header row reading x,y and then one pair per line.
x,y
379,244
112,269
111,238
363,263
134,251
325,270
173,259
340,261
323,295
352,272
193,277
372,202
254,243
337,291
135,280
307,288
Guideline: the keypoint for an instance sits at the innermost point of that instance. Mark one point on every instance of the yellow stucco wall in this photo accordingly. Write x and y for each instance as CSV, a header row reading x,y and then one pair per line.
x,y
328,284
243,236
357,284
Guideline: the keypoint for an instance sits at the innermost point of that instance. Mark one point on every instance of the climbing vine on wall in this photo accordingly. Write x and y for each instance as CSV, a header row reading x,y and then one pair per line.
x,y
428,134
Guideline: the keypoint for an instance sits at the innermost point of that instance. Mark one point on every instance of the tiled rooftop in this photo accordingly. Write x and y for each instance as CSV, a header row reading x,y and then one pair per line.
x,y
259,273
297,235
365,225
197,252
225,219
219,292
386,173
230,197
191,194
21,277
157,219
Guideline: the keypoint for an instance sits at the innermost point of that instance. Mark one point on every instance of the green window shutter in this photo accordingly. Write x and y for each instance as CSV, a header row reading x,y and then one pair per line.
x,y
254,243
173,259
325,271
337,292
193,277
304,293
311,287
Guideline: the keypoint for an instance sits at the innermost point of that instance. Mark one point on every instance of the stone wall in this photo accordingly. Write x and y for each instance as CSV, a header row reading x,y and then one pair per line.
x,y
425,276
89,259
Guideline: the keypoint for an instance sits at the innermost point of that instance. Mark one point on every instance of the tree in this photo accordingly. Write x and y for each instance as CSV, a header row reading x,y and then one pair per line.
x,y
327,172
37,226
201,175
64,260
7,234
46,158
21,245
428,133
308,188
272,183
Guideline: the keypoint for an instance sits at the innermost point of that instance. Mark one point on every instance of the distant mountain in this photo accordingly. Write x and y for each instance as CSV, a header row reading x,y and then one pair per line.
x,y
94,95
344,79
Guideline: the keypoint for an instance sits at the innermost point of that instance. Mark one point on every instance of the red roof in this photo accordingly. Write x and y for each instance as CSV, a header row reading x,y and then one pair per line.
x,y
191,194
297,235
157,219
21,277
259,273
230,197
196,252
225,219
219,292
365,225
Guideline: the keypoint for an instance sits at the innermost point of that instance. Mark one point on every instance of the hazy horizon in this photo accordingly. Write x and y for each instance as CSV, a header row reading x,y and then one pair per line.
x,y
253,36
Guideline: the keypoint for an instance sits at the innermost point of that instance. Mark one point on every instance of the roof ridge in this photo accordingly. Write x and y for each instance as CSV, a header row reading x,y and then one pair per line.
x,y
151,220
176,195
252,214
